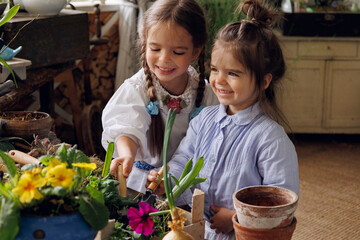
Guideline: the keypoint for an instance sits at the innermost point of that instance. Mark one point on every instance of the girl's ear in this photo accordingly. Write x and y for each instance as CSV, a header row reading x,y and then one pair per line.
x,y
267,80
196,53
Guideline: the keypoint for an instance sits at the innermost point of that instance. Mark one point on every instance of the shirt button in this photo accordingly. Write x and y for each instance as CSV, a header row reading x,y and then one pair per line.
x,y
212,160
220,138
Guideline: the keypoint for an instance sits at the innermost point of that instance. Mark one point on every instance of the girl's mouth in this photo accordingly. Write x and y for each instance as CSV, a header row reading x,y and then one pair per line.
x,y
165,70
224,92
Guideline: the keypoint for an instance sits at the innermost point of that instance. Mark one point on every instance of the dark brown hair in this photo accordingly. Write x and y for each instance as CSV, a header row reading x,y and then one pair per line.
x,y
255,45
189,15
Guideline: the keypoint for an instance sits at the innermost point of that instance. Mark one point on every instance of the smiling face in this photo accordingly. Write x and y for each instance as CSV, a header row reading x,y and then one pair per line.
x,y
231,81
169,52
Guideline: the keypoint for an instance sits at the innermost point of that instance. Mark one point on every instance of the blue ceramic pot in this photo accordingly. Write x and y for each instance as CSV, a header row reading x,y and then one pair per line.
x,y
61,227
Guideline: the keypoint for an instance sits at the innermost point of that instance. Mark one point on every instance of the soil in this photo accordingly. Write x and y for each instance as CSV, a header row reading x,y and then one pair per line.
x,y
22,116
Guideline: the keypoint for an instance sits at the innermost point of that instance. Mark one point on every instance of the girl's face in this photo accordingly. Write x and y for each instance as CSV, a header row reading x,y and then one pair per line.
x,y
231,81
169,52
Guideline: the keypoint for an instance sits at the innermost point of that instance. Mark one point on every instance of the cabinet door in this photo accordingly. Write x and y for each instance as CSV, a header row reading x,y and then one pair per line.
x,y
342,94
301,99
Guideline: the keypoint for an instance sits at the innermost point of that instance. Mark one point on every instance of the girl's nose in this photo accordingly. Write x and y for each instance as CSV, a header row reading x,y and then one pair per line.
x,y
220,79
165,56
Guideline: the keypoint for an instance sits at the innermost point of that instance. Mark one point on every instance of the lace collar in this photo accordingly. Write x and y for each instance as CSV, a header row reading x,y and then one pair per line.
x,y
187,96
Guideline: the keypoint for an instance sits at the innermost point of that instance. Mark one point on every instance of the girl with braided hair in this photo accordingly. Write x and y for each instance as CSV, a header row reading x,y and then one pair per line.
x,y
241,139
173,34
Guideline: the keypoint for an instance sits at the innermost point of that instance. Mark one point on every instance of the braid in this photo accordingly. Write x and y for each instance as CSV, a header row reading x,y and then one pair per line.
x,y
201,87
156,126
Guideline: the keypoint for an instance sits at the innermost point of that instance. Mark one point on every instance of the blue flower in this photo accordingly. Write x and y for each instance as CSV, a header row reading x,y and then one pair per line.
x,y
152,108
196,111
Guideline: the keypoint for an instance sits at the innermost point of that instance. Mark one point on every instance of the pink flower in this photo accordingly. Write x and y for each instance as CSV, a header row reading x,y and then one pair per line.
x,y
174,103
139,220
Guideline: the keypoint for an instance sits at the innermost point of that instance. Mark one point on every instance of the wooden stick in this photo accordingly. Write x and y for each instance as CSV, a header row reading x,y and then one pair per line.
x,y
21,157
153,185
122,180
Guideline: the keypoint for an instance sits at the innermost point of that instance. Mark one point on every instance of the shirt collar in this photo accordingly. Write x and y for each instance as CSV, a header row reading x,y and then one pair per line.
x,y
243,117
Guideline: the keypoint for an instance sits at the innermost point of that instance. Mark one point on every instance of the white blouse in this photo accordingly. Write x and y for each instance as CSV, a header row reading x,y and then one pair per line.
x,y
125,115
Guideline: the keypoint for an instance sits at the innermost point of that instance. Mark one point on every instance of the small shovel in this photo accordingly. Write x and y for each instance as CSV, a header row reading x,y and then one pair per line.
x,y
149,197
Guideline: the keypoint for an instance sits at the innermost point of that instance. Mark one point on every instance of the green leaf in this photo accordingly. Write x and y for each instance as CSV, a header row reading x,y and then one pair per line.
x,y
197,181
61,153
175,180
4,191
45,159
169,124
9,219
10,164
187,169
96,194
96,214
186,182
108,157
28,167
79,156
55,191
6,146
10,14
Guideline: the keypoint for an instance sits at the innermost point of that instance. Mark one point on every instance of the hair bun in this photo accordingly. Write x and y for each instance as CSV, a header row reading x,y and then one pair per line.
x,y
259,12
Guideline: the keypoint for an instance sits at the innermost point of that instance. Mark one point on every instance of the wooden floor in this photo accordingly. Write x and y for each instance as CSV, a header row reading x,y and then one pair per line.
x,y
329,203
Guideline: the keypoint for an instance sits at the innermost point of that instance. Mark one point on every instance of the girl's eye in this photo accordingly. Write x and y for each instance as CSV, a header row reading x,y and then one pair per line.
x,y
179,53
155,49
213,69
233,74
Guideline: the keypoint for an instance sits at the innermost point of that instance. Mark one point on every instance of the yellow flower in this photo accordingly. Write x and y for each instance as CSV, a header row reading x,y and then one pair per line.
x,y
60,176
27,187
86,166
54,162
35,171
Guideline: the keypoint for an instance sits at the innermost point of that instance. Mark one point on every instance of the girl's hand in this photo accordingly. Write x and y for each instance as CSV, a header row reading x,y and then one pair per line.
x,y
222,220
126,148
152,177
127,163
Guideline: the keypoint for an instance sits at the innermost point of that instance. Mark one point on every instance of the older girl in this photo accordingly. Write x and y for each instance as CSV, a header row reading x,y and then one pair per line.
x,y
173,35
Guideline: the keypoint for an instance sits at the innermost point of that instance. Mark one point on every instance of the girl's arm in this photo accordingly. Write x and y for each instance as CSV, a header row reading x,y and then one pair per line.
x,y
278,164
126,149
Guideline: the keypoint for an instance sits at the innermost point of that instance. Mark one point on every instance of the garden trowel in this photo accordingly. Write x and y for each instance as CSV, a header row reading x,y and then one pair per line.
x,y
149,197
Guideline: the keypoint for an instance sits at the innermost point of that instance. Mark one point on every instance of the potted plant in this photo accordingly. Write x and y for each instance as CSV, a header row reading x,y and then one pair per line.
x,y
61,191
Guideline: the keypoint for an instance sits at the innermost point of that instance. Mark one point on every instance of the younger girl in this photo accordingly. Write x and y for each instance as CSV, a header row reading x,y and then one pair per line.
x,y
241,139
173,34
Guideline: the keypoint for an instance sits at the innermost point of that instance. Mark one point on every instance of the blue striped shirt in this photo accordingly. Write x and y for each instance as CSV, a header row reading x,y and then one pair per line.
x,y
240,150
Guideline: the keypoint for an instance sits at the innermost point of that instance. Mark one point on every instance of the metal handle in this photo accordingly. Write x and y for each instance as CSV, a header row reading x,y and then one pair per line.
x,y
155,184
121,179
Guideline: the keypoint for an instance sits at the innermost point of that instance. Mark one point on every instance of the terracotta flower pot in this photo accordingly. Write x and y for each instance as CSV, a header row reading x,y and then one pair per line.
x,y
281,233
25,124
265,207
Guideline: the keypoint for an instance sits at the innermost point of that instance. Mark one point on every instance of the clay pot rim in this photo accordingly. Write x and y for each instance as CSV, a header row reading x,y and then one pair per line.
x,y
292,193
235,222
19,112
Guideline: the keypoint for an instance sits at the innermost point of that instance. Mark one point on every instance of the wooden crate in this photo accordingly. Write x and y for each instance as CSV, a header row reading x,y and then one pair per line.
x,y
194,225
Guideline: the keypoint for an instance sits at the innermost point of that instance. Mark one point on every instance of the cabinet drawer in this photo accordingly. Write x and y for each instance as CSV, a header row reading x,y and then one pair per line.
x,y
327,49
